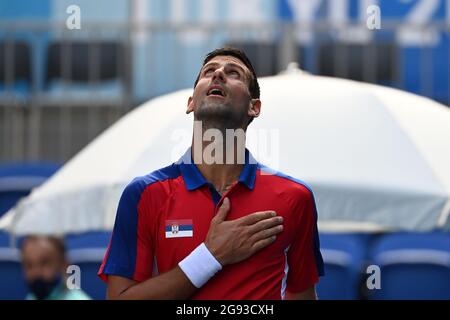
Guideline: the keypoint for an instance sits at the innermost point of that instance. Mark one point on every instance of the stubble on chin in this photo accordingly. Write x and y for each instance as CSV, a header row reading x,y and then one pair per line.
x,y
218,116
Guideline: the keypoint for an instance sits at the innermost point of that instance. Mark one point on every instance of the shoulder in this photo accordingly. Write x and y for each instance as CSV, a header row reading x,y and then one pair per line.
x,y
284,183
76,294
151,189
293,193
163,175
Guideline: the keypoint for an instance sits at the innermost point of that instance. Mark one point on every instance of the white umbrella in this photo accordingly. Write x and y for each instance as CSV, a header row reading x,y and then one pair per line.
x,y
375,157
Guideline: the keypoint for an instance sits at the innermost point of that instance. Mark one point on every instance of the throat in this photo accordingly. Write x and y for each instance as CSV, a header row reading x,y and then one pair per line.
x,y
223,189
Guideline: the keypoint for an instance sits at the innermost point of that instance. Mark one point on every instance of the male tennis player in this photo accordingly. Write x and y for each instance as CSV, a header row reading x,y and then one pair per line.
x,y
216,225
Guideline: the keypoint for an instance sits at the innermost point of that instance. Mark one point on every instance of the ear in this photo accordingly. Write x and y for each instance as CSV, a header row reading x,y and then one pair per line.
x,y
190,105
255,108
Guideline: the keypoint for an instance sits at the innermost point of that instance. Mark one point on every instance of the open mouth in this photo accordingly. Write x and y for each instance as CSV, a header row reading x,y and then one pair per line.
x,y
215,92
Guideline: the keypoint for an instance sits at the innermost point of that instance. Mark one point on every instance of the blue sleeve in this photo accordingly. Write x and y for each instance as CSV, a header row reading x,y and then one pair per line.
x,y
120,259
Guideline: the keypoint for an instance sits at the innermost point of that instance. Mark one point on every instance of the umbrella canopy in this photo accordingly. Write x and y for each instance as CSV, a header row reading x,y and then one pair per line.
x,y
375,157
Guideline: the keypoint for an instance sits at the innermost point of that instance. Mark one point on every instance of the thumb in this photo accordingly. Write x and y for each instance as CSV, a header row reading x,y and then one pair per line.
x,y
223,210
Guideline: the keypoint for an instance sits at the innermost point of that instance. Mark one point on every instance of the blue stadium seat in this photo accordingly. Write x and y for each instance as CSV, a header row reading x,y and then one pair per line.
x,y
17,180
343,256
92,239
15,68
413,266
104,76
12,283
87,250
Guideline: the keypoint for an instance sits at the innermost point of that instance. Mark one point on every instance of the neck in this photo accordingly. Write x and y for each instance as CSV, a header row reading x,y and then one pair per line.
x,y
219,162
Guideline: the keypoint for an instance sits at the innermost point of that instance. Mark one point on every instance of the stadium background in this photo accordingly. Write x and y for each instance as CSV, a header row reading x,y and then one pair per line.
x,y
59,88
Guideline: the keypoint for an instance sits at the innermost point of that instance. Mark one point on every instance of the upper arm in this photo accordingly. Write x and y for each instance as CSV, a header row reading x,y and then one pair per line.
x,y
304,257
308,294
130,251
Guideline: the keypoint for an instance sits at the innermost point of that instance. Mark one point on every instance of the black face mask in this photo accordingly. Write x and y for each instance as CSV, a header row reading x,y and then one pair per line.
x,y
41,288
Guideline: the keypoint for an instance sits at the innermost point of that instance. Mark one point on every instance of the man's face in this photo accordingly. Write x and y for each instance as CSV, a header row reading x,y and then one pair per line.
x,y
221,97
41,260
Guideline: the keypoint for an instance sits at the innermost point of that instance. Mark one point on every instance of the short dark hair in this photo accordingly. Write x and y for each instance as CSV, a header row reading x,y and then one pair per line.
x,y
234,52
57,243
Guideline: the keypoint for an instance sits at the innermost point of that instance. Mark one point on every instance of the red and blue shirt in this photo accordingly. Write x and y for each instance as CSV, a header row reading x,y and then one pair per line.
x,y
162,217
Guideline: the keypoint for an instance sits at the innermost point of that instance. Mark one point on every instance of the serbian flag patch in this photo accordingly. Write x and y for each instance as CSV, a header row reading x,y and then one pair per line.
x,y
179,228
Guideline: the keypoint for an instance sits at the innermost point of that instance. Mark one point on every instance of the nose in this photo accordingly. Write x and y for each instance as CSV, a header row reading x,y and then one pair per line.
x,y
219,74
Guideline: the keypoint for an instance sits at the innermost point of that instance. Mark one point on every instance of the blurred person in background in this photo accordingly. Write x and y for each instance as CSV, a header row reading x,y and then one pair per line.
x,y
44,264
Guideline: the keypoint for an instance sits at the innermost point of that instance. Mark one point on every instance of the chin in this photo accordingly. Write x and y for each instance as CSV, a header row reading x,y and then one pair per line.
x,y
218,115
213,110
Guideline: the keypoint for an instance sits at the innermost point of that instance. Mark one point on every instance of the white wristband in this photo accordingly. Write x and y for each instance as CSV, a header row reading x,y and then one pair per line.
x,y
200,266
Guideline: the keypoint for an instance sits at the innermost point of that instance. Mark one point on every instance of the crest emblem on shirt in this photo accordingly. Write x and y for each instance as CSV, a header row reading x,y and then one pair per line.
x,y
175,228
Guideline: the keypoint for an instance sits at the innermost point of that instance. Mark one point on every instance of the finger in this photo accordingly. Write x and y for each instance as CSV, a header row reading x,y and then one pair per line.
x,y
257,216
261,244
223,210
266,233
265,224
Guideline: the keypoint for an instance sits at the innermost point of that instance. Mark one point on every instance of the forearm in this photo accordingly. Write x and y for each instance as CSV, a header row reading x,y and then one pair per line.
x,y
179,283
171,285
